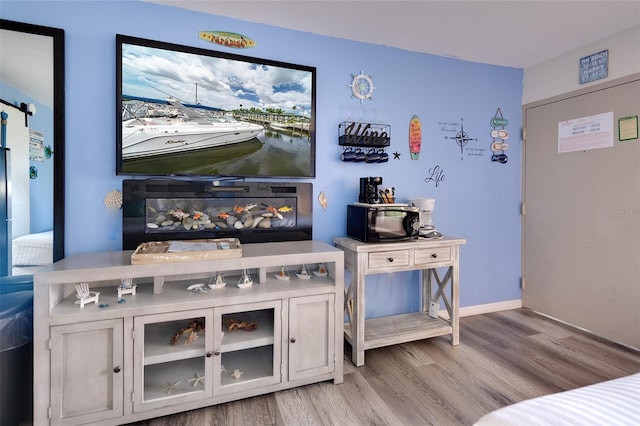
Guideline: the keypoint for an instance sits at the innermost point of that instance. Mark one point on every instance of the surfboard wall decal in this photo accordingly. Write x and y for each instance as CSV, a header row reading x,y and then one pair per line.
x,y
415,137
224,38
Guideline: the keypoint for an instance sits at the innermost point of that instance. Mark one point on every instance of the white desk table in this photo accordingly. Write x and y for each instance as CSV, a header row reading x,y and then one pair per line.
x,y
375,258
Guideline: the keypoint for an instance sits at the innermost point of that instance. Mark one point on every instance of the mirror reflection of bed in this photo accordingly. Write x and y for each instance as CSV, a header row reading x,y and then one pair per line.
x,y
31,252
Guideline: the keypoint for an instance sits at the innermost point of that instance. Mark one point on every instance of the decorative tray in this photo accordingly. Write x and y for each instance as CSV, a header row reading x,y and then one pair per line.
x,y
186,251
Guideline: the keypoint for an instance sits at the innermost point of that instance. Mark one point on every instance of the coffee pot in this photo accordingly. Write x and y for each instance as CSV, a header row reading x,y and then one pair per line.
x,y
426,206
369,192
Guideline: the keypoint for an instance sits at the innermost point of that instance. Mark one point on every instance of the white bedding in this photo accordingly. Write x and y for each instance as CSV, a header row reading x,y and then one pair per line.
x,y
614,402
33,249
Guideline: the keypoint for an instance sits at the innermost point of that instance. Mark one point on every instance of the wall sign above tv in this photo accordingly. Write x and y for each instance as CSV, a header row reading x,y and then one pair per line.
x,y
186,111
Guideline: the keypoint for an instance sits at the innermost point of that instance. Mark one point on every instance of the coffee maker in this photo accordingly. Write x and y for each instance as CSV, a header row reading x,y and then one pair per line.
x,y
369,190
426,206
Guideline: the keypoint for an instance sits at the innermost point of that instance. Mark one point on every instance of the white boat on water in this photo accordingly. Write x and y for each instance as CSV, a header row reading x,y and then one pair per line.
x,y
297,125
150,136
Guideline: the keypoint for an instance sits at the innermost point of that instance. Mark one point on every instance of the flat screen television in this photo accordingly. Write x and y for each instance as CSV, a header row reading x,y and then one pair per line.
x,y
187,111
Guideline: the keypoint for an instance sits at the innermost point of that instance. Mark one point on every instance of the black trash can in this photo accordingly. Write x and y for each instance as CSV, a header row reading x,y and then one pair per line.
x,y
16,349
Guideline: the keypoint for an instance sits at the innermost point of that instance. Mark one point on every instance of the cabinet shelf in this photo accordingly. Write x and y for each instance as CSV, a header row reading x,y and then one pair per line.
x,y
158,347
158,377
237,340
255,363
396,329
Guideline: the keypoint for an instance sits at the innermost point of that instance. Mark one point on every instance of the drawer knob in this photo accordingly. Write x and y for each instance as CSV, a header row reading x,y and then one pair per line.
x,y
434,255
293,340
117,369
390,259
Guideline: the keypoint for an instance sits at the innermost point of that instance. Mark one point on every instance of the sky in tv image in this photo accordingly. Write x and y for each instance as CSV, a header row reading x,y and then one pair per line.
x,y
215,82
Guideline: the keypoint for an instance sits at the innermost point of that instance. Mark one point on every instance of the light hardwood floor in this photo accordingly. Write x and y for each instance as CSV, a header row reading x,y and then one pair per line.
x,y
502,358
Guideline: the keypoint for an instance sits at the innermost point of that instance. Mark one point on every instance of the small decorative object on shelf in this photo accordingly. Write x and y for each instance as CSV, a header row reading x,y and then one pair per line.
x,y
217,281
85,296
282,274
321,271
303,273
186,250
198,379
172,387
233,324
197,288
245,280
237,373
126,287
191,332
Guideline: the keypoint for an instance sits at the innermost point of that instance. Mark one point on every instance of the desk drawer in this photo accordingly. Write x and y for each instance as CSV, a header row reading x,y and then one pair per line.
x,y
385,259
432,255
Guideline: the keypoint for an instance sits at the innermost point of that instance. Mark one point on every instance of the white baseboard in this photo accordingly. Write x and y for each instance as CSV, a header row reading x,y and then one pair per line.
x,y
468,311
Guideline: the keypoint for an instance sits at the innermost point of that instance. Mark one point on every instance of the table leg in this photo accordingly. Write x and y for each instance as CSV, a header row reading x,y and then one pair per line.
x,y
358,318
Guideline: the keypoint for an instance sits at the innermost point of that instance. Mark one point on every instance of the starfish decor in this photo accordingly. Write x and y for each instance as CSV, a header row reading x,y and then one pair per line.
x,y
197,379
171,387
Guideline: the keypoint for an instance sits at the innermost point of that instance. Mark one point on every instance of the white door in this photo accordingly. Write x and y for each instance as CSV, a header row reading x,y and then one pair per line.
x,y
248,347
86,372
581,243
172,358
311,336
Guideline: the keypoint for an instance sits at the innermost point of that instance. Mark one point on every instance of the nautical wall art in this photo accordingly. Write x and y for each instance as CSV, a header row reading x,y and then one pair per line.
x,y
499,135
461,138
361,86
415,137
227,39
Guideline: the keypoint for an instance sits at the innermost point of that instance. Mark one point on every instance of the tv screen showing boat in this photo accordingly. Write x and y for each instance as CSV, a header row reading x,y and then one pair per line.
x,y
187,111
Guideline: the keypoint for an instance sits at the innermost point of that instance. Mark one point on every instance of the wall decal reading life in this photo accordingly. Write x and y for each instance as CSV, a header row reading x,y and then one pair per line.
x,y
436,175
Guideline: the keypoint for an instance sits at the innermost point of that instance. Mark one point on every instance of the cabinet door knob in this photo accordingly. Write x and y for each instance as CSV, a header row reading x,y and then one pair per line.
x,y
390,259
216,353
434,255
293,340
117,369
209,354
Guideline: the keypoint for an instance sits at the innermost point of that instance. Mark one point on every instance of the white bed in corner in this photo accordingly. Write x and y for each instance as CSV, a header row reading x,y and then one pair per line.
x,y
614,402
32,251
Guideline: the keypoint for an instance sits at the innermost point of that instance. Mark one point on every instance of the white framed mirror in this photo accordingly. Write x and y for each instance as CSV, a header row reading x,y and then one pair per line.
x,y
32,169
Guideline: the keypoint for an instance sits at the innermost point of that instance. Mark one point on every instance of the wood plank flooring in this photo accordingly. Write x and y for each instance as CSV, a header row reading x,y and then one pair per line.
x,y
503,357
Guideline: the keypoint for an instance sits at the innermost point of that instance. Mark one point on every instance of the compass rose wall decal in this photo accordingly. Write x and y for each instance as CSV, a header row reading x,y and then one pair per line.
x,y
361,86
461,138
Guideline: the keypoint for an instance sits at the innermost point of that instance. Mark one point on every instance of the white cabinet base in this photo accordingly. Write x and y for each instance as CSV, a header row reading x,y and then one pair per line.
x,y
114,362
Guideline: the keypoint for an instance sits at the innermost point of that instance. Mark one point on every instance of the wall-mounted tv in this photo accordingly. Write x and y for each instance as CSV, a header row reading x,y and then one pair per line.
x,y
187,111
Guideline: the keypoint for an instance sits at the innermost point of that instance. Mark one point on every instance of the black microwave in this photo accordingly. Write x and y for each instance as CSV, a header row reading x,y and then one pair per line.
x,y
382,223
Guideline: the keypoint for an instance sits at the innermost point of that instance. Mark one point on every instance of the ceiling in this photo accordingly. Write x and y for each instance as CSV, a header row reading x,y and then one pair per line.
x,y
516,33
26,63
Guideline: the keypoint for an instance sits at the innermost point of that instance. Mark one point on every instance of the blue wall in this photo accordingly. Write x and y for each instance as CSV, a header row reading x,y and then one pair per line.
x,y
478,199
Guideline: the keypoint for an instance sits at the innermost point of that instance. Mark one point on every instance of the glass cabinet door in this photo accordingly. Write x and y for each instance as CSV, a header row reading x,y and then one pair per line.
x,y
173,358
248,346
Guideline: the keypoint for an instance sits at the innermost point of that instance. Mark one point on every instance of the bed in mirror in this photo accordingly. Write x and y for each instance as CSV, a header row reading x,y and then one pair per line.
x,y
32,153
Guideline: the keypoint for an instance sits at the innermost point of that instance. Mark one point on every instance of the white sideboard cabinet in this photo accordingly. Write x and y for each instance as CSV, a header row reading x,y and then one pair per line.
x,y
176,346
